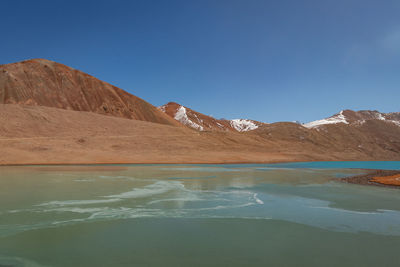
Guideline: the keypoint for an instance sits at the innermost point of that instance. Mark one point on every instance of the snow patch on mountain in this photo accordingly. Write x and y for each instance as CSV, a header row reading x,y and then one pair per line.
x,y
162,108
356,118
387,117
338,118
241,125
380,117
396,122
182,117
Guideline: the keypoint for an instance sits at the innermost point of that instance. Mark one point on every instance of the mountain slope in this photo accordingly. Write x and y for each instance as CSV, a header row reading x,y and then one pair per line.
x,y
351,117
43,135
42,82
375,139
201,122
371,132
50,113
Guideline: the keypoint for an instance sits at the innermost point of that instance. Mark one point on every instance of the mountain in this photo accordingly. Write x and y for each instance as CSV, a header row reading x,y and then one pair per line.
x,y
53,114
201,122
346,134
41,82
371,132
351,118
43,135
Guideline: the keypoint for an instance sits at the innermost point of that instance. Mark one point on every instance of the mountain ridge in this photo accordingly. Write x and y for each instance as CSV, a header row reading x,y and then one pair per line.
x,y
356,117
202,122
47,83
51,114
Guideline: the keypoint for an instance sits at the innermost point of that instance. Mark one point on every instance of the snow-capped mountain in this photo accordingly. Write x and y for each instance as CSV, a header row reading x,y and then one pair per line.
x,y
201,122
351,117
242,125
337,118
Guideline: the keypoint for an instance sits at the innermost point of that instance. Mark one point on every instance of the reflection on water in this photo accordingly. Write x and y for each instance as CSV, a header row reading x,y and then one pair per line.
x,y
52,198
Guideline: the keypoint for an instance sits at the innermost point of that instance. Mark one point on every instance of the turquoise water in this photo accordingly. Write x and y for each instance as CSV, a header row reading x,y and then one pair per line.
x,y
294,214
384,165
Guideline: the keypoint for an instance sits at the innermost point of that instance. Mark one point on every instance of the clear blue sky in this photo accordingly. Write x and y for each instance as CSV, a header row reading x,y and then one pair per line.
x,y
266,60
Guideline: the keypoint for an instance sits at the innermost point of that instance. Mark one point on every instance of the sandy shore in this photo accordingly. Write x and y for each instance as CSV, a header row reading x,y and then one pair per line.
x,y
386,178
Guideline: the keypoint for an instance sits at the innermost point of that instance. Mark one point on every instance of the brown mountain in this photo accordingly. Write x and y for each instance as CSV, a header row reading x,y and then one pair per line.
x,y
201,122
371,132
373,139
42,135
50,113
38,135
352,118
41,82
364,133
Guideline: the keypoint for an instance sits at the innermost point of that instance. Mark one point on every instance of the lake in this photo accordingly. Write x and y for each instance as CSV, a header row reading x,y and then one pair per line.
x,y
292,214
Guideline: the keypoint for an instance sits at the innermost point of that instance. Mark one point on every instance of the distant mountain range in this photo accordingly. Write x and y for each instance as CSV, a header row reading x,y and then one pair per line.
x,y
201,122
51,113
354,118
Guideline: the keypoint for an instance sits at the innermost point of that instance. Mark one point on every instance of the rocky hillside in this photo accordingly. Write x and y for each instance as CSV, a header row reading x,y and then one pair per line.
x,y
201,122
41,82
42,135
51,113
368,133
352,118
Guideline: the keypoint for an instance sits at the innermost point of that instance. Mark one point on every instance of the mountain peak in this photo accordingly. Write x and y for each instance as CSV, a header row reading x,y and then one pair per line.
x,y
356,117
40,60
201,122
42,82
32,60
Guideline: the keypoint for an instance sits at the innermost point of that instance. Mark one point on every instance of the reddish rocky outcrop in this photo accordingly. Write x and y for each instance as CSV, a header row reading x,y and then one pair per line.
x,y
41,82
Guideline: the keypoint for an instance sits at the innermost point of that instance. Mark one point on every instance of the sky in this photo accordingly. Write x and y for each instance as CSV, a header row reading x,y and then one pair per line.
x,y
281,60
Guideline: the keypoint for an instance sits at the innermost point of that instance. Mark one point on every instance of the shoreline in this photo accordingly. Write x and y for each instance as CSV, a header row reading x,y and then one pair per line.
x,y
157,163
381,178
182,163
372,177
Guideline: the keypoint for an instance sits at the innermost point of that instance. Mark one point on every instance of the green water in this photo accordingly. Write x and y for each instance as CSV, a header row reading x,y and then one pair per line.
x,y
197,215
